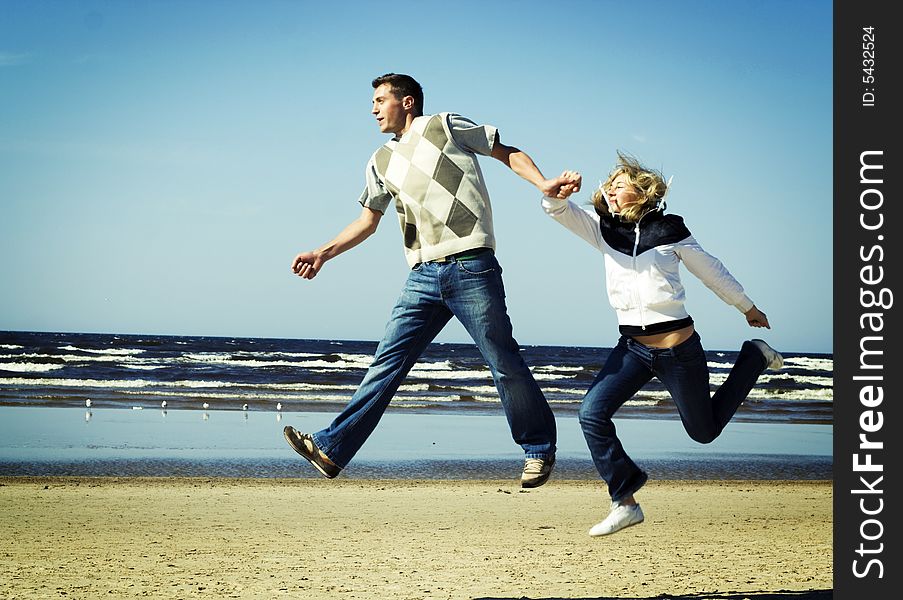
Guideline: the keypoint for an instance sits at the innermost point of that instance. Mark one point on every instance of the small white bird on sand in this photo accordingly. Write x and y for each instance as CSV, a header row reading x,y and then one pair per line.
x,y
206,406
88,403
244,407
163,404
279,406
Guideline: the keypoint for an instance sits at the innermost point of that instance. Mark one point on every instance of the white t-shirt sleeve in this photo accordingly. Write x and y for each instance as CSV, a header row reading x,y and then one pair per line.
x,y
478,139
375,194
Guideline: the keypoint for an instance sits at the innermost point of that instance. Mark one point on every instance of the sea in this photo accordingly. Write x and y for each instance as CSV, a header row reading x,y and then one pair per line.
x,y
122,405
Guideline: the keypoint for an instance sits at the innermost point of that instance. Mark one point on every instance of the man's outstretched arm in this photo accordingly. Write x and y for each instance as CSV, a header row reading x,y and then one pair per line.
x,y
307,264
520,162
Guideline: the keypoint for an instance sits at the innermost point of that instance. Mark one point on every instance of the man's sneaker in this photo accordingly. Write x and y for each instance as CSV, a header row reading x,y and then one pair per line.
x,y
304,445
621,516
537,471
775,360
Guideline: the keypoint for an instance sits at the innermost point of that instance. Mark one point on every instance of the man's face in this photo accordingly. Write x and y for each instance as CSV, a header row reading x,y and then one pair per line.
x,y
389,110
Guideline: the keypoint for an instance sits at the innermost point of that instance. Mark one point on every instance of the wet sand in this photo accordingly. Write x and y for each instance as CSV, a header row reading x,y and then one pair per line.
x,y
298,538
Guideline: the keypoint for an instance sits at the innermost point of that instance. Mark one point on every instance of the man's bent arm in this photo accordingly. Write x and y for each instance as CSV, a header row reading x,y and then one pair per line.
x,y
307,264
520,162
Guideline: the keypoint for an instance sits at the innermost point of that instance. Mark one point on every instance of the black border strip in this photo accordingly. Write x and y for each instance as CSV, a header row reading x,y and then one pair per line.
x,y
867,365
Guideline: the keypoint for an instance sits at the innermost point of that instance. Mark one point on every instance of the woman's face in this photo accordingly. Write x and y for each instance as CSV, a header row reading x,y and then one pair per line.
x,y
620,194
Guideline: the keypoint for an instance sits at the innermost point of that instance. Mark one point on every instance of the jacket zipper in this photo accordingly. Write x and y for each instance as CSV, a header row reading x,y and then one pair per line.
x,y
636,276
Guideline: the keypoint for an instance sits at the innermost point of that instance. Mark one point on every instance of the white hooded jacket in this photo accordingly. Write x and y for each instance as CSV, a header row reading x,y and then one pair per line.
x,y
642,263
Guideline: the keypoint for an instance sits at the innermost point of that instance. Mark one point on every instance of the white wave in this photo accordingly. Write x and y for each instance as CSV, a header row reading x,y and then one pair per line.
x,y
144,367
471,390
809,379
816,364
410,387
636,401
356,358
551,376
194,384
298,386
111,351
448,374
798,362
325,364
111,358
421,366
10,346
557,369
654,396
475,390
571,391
213,357
823,395
29,367
486,399
719,365
270,363
827,382
641,402
420,373
277,354
445,365
228,359
118,358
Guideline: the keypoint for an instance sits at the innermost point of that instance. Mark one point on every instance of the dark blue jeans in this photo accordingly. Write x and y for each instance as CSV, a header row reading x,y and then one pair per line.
x,y
470,289
684,372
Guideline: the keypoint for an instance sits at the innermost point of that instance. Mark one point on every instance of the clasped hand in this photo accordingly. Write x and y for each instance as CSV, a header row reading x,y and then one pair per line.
x,y
562,186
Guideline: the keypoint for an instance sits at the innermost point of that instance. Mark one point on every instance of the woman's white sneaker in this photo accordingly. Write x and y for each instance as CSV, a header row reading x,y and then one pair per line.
x,y
621,516
775,360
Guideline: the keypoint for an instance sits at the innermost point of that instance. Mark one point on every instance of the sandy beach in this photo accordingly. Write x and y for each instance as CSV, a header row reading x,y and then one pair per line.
x,y
345,538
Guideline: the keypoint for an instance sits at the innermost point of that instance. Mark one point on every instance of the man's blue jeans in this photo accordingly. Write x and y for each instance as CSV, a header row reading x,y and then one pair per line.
x,y
471,290
684,372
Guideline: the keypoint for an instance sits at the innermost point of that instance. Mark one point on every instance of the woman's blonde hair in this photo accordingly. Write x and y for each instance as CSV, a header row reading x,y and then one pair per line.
x,y
648,183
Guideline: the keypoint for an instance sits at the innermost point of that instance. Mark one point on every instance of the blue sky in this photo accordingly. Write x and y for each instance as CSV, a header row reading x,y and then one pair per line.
x,y
161,163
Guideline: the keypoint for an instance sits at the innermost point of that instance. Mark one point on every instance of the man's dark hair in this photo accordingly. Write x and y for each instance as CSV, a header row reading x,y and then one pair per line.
x,y
403,85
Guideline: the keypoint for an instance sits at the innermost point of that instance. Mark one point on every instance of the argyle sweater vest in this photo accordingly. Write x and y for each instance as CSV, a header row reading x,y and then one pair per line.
x,y
438,187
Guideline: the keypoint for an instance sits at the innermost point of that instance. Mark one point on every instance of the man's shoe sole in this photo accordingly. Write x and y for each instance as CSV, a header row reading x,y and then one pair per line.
x,y
288,433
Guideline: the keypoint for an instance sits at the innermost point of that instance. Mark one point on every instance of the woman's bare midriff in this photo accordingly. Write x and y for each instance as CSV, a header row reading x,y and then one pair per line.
x,y
665,340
